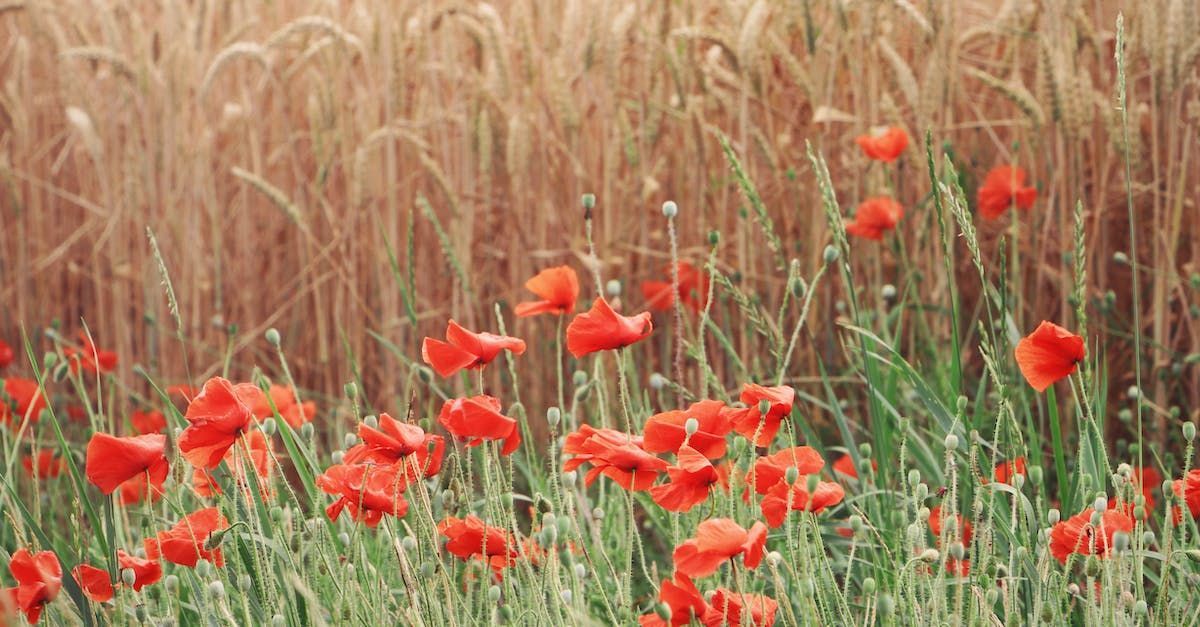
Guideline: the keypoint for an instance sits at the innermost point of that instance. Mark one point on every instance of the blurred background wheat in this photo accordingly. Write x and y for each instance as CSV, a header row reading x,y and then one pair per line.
x,y
322,166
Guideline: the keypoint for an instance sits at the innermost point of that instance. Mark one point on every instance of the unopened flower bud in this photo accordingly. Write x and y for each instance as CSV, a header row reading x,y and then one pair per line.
x,y
128,576
831,254
657,381
216,589
269,427
951,442
691,426
272,336
612,288
1189,431
670,209
494,594
351,390
588,201
868,586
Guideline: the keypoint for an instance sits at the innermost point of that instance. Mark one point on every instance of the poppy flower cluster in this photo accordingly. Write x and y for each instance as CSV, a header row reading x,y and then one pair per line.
x,y
21,399
97,585
88,358
39,580
470,538
685,604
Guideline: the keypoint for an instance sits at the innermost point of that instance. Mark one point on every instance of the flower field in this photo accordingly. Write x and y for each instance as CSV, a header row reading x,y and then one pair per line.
x,y
888,374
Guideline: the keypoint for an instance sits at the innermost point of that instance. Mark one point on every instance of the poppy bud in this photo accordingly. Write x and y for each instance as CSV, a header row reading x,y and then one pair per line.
x,y
856,523
1140,607
272,336
930,555
344,538
1035,474
215,539
1120,541
351,390
337,456
128,576
171,583
831,253
307,430
371,421
774,558
244,581
1189,431
885,604
670,209
923,514
277,514
791,474
951,442
914,477
921,491
1073,589
140,614
569,478
566,595
1168,486
427,570
350,440
580,571
657,381
203,567
812,483
424,374
48,360
991,596
1148,538
553,416
664,612
957,550
1017,481
914,533
588,201
1100,504
864,449
268,427
764,407
494,594
714,238
1120,258
612,288
1096,519
1133,392
869,585
888,292
409,544
549,536
691,426
579,378
598,513
216,589
1021,551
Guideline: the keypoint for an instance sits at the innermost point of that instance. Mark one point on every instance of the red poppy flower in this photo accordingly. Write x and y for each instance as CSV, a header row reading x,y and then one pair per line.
x,y
183,391
21,398
558,288
259,454
399,443
1188,488
112,461
282,398
616,455
775,503
217,417
1077,535
691,479
770,470
149,421
958,568
601,328
717,541
935,524
666,432
6,355
1004,187
186,542
99,588
39,580
1005,471
874,216
1049,354
883,144
45,465
471,538
685,601
367,490
751,423
478,418
90,358
693,290
844,466
729,608
466,349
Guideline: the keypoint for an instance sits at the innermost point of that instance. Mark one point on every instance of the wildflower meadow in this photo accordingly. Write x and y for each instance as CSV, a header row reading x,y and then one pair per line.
x,y
467,368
